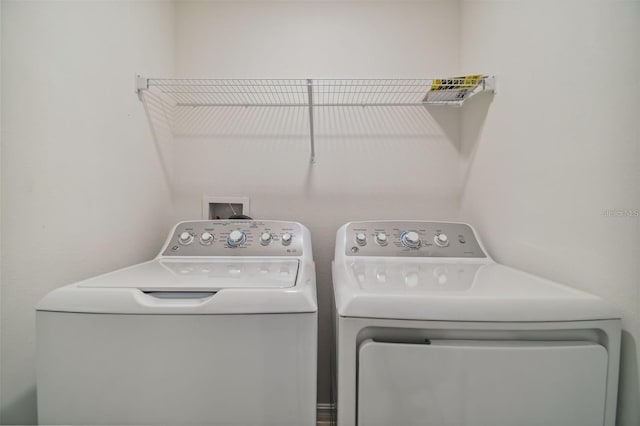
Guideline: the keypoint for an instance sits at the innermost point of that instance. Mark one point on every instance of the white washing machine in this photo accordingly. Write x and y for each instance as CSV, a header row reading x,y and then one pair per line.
x,y
219,329
431,331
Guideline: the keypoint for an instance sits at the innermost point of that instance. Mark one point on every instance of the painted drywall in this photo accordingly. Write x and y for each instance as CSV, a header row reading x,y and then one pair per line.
x,y
78,161
83,190
551,176
371,163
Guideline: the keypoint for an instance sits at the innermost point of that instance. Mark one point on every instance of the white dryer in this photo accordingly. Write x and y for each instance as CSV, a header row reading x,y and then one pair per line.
x,y
431,331
219,329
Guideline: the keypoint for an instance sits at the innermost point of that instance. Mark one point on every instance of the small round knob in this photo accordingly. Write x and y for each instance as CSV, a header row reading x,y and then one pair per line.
x,y
410,239
206,238
236,238
381,239
361,238
265,238
185,238
441,240
286,239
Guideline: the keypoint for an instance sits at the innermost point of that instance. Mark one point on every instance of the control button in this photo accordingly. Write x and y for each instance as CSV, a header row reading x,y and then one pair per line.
x,y
206,238
410,239
381,239
185,238
461,239
411,279
441,240
236,238
441,275
361,239
286,239
265,238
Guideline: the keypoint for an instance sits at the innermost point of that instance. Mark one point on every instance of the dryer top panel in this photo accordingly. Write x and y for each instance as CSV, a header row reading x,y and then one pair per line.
x,y
440,271
458,292
418,239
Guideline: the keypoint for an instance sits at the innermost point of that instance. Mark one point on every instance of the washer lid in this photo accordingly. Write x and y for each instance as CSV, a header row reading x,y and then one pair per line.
x,y
197,274
458,292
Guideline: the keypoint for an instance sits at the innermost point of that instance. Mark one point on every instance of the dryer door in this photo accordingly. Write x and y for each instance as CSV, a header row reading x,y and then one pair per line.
x,y
481,383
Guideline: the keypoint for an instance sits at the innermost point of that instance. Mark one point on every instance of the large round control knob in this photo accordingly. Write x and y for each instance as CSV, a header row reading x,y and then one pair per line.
x,y
286,239
265,238
185,238
206,238
236,238
441,240
361,239
381,239
410,239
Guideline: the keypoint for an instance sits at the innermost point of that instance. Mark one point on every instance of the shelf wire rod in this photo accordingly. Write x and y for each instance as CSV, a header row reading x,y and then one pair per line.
x,y
287,94
389,91
267,94
380,96
409,91
260,94
311,135
373,93
284,92
420,89
216,94
401,93
354,96
364,90
280,92
249,95
406,93
275,89
235,93
224,93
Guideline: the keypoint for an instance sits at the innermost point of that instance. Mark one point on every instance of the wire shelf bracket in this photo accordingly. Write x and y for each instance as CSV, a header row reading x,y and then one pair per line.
x,y
312,93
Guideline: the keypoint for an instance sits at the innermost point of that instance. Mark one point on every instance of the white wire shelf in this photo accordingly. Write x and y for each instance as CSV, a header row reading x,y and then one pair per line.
x,y
313,93
324,92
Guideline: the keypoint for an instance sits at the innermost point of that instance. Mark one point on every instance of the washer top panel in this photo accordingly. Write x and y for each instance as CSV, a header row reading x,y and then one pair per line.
x,y
206,267
411,239
186,275
235,238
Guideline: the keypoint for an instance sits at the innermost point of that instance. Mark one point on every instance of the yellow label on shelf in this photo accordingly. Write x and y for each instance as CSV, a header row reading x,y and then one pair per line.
x,y
464,82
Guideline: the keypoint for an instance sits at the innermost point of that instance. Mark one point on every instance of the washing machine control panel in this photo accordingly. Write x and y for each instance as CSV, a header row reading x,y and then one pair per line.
x,y
235,238
411,239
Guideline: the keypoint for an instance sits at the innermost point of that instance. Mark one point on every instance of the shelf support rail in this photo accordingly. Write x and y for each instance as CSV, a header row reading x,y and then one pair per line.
x,y
311,140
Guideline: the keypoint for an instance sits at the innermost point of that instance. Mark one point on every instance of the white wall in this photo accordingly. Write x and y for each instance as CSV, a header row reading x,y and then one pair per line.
x,y
559,147
83,190
370,163
533,168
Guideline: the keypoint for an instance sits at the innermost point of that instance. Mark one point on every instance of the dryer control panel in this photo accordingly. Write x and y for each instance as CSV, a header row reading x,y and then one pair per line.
x,y
235,238
411,239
